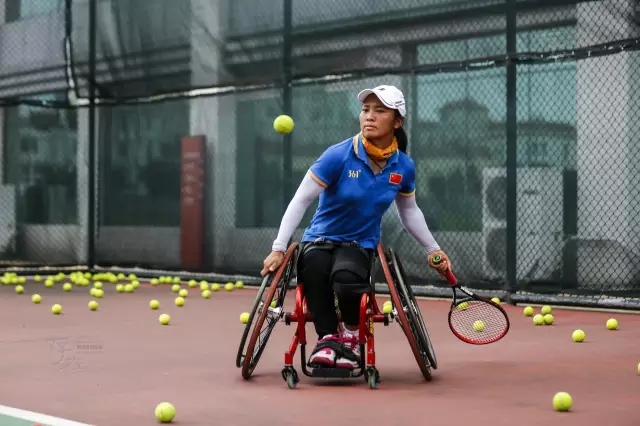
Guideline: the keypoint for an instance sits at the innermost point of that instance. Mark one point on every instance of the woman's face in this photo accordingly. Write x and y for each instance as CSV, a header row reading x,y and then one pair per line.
x,y
376,120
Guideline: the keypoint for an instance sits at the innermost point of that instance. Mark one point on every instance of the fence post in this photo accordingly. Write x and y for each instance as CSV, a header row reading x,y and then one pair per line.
x,y
512,153
287,100
91,149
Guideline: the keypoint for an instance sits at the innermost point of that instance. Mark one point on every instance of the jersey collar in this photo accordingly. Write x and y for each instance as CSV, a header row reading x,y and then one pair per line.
x,y
358,149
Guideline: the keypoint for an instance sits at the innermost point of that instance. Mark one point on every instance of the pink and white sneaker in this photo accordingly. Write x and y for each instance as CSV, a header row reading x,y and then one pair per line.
x,y
324,354
351,353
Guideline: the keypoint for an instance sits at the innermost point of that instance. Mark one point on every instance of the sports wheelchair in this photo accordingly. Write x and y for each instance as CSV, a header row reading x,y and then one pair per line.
x,y
268,310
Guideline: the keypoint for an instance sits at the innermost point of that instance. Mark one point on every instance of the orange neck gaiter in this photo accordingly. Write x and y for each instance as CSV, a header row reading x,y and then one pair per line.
x,y
378,153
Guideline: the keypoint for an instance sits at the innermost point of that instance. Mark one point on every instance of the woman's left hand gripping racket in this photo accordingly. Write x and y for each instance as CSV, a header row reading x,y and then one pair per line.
x,y
475,319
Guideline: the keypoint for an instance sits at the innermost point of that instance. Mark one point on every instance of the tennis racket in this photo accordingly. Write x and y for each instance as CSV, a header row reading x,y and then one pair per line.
x,y
474,319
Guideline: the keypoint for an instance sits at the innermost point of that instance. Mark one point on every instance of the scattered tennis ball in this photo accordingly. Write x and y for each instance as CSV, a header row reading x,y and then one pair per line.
x,y
97,285
135,284
67,286
154,304
19,289
179,301
192,283
183,292
283,124
387,309
496,300
175,288
128,288
93,305
538,319
37,278
239,284
215,287
273,304
120,277
562,401
98,293
244,317
478,326
92,291
548,319
164,319
119,288
463,306
132,277
177,280
546,309
229,286
206,294
578,336
36,298
204,286
204,283
639,368
612,324
165,412
48,283
528,311
56,309
154,282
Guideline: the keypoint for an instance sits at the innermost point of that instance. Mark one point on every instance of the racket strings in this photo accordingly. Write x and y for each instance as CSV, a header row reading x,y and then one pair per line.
x,y
478,321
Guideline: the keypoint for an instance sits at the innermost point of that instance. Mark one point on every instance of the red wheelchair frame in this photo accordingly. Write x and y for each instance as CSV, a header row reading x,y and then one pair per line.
x,y
405,312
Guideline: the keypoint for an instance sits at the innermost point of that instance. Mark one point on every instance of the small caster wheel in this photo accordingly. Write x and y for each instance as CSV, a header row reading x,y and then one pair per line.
x,y
373,377
290,375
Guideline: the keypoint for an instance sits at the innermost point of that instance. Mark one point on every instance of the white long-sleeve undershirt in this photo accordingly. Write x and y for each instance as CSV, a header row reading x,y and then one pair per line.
x,y
410,215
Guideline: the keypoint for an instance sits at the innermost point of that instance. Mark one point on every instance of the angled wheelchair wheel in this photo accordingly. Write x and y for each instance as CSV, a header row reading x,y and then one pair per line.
x,y
408,313
267,311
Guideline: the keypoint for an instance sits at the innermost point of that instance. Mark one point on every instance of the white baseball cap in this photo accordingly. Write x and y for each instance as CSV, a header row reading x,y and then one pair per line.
x,y
390,96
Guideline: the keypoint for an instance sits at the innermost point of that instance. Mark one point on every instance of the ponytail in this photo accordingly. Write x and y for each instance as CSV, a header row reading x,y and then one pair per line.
x,y
401,137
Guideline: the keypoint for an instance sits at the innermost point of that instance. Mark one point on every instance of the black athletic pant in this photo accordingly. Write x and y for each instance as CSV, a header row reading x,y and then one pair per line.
x,y
327,270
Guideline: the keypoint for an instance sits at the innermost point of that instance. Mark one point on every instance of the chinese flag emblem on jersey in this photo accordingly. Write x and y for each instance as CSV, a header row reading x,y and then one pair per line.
x,y
395,178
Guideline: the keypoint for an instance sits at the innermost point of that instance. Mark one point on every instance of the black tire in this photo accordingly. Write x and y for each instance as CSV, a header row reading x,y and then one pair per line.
x,y
274,288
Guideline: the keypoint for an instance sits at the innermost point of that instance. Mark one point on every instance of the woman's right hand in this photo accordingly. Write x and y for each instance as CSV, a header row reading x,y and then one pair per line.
x,y
272,262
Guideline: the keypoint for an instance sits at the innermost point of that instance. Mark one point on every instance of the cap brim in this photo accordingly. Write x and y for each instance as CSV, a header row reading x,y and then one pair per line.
x,y
366,92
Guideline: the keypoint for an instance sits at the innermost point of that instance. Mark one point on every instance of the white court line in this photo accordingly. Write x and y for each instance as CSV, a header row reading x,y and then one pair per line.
x,y
42,419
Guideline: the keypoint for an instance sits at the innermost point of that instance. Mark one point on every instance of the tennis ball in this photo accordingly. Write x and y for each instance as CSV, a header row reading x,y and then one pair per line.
x,y
56,309
179,301
206,294
154,304
132,277
183,292
204,286
128,288
192,283
545,310
120,277
165,412
93,305
244,317
66,286
538,319
496,300
239,284
48,283
93,291
283,124
612,324
463,306
578,336
229,286
638,368
387,309
478,325
19,289
175,288
215,287
528,311
119,288
135,284
177,280
164,319
37,278
273,304
98,294
36,298
548,319
562,401
154,282
97,285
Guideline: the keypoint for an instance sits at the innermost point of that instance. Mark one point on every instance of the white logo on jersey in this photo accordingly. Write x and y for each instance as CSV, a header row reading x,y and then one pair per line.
x,y
354,174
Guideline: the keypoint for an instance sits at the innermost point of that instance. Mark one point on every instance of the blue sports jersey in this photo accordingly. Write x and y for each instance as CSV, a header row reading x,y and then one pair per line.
x,y
355,199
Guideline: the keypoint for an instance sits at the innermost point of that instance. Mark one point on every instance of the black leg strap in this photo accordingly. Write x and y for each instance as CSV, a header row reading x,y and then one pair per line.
x,y
336,346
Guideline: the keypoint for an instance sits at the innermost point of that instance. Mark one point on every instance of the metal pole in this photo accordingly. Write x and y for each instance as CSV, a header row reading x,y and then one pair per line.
x,y
512,154
91,148
287,101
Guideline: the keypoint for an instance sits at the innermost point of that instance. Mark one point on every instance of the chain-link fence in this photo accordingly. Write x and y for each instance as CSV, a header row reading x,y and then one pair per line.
x,y
522,120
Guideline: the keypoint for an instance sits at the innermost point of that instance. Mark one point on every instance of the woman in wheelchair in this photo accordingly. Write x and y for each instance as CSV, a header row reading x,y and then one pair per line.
x,y
356,180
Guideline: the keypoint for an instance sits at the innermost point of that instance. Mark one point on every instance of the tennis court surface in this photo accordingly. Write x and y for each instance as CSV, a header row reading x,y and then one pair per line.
x,y
114,365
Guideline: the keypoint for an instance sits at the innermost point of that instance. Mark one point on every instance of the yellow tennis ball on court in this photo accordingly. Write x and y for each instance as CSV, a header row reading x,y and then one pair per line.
x,y
496,300
154,304
179,301
639,368
154,282
56,309
463,306
93,305
206,294
36,298
239,284
128,288
48,283
97,284
612,324
192,283
244,317
387,309
204,286
562,401
528,311
548,319
215,287
164,319
19,289
119,288
478,325
67,287
98,293
578,336
165,412
283,124
546,309
229,286
135,284
175,288
183,292
538,319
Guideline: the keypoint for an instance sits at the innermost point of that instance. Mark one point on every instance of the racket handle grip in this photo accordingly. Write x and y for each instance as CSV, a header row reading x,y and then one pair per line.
x,y
450,277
